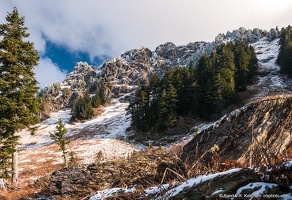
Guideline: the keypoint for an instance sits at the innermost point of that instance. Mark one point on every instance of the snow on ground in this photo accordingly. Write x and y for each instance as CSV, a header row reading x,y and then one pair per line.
x,y
112,123
102,149
193,181
156,189
259,193
270,81
259,189
100,195
267,53
104,136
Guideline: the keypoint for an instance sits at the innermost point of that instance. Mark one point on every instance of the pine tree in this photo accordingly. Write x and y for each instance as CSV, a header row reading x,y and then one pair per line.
x,y
19,106
99,98
59,137
167,108
285,55
82,109
242,66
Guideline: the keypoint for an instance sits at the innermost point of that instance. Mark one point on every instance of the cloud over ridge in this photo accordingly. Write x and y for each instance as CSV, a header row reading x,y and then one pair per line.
x,y
109,28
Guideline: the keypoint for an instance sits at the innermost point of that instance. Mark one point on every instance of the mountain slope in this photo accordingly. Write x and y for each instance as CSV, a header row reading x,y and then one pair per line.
x,y
261,128
126,72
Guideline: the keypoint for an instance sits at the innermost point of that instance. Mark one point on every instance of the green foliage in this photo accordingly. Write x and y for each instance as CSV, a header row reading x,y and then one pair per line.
x,y
99,98
19,106
82,109
59,137
285,55
202,91
66,91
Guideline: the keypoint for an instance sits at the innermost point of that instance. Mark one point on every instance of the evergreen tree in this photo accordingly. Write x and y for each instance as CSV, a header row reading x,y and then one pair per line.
x,y
19,106
82,109
59,137
99,98
242,67
201,91
285,55
167,108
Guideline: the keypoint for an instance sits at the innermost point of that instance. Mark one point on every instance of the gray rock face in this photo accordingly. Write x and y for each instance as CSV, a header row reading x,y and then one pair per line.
x,y
81,77
260,131
247,35
126,72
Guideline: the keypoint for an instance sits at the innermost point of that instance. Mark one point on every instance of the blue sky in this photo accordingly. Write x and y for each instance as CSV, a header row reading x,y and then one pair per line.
x,y
67,59
68,31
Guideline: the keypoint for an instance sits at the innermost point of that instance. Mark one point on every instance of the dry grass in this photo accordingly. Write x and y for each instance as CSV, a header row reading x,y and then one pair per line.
x,y
98,111
38,163
145,169
17,194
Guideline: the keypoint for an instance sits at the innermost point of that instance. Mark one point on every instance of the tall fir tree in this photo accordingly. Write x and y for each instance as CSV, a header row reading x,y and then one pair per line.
x,y
19,106
285,55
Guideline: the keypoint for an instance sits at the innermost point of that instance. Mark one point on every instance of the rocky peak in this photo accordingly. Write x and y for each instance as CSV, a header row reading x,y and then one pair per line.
x,y
167,50
126,72
247,35
142,55
82,74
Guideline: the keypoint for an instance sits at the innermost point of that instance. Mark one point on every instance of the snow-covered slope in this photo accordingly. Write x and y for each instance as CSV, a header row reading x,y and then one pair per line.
x,y
103,137
270,81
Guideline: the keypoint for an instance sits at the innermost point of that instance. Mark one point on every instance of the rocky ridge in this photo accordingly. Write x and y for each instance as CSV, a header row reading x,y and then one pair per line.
x,y
126,72
260,131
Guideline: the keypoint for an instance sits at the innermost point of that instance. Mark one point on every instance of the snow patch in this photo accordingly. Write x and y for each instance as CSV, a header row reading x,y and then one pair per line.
x,y
260,187
100,195
193,181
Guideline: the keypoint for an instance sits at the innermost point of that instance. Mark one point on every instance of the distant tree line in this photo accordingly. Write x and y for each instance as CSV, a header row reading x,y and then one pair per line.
x,y
196,91
285,55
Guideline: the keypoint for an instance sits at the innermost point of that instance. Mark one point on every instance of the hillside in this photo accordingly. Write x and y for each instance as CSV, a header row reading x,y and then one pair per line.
x,y
261,128
260,131
126,72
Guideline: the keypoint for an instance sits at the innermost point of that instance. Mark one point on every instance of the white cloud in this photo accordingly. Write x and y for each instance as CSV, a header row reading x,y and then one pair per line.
x,y
112,27
48,72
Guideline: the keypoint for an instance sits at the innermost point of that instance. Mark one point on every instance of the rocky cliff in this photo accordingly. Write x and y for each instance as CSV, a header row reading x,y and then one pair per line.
x,y
126,72
258,132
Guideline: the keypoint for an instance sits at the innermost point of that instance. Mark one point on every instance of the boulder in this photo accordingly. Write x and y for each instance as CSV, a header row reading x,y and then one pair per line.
x,y
70,182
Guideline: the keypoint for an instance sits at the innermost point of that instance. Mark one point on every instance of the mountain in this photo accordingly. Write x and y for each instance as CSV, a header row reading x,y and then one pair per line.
x,y
262,127
126,72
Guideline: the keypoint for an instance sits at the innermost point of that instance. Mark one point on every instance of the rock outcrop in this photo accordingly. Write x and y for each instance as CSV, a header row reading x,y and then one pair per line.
x,y
139,171
71,182
258,132
125,73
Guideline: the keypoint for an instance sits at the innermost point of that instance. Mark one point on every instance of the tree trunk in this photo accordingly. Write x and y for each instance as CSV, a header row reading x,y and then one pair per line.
x,y
15,167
